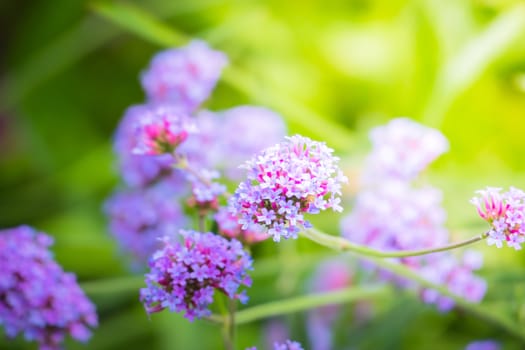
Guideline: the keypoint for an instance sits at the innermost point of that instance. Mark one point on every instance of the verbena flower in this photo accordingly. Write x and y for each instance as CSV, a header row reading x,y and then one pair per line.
x,y
483,345
329,276
37,298
138,217
160,129
232,136
457,275
183,76
285,182
395,216
140,170
402,149
505,212
184,275
288,345
228,226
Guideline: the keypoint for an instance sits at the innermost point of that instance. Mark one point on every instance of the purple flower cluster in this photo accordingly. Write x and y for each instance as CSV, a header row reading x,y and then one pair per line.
x,y
286,181
184,76
160,129
402,149
330,275
391,214
232,136
228,226
37,298
184,275
139,170
287,345
457,275
139,216
505,212
483,345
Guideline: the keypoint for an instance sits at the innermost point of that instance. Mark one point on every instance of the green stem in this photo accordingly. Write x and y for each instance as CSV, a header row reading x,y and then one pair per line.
x,y
306,302
344,245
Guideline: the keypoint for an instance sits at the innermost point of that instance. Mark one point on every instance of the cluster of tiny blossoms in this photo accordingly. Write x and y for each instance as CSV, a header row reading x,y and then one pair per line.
x,y
37,298
160,129
184,77
184,275
286,181
402,149
139,216
505,212
287,345
391,213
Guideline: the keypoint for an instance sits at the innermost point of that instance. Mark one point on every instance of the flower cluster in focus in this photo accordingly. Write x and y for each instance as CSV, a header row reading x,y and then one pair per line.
x,y
505,212
184,275
286,181
37,298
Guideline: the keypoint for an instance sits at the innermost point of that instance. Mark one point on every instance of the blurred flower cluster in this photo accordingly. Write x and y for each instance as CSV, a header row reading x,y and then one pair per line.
x,y
393,213
37,298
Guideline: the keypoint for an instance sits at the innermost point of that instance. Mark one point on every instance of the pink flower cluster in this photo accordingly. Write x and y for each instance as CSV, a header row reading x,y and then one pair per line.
x,y
286,181
505,212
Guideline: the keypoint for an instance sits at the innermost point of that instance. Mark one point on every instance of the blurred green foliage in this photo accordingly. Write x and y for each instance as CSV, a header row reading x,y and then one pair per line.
x,y
332,68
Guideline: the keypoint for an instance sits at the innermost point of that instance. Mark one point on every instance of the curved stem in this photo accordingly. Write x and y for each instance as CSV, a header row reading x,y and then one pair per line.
x,y
306,302
344,245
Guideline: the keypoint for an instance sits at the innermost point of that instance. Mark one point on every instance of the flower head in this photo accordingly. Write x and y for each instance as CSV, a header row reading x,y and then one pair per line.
x,y
232,136
140,170
286,181
483,345
184,275
183,76
139,217
402,149
505,212
37,298
396,216
161,129
229,226
457,275
288,345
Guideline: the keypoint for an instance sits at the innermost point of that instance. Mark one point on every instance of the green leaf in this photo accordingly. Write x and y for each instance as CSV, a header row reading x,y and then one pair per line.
x,y
464,69
139,22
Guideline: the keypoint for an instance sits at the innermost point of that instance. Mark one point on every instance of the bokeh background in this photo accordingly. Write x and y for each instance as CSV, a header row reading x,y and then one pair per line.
x,y
333,69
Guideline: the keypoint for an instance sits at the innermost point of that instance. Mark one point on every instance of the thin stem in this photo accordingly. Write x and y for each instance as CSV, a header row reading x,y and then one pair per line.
x,y
306,302
344,245
231,320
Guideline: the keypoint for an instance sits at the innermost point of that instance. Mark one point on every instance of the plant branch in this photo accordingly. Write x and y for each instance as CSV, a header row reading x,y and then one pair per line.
x,y
343,245
306,302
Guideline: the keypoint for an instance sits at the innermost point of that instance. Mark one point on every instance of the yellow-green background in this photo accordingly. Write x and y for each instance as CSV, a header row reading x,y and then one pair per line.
x,y
333,69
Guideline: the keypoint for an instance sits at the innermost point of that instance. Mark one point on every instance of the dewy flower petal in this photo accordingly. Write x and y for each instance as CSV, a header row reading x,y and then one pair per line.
x,y
505,212
183,76
37,298
184,275
286,181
